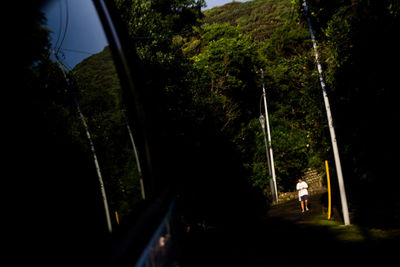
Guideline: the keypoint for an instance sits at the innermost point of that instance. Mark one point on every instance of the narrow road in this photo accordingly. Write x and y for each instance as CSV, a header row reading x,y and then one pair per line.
x,y
286,237
290,211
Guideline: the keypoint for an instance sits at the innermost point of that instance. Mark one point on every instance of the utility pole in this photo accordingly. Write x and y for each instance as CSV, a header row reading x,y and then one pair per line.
x,y
136,156
338,166
96,162
268,146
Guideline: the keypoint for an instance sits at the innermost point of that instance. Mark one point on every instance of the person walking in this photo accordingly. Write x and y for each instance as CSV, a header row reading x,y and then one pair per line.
x,y
303,194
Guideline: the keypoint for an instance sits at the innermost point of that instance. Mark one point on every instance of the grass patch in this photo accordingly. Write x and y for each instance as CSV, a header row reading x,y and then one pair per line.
x,y
350,233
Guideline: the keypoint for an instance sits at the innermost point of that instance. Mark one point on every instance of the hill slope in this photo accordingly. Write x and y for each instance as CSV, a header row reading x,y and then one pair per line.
x,y
259,18
228,50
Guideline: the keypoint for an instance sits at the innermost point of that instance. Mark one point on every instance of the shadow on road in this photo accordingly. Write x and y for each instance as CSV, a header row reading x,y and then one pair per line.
x,y
285,238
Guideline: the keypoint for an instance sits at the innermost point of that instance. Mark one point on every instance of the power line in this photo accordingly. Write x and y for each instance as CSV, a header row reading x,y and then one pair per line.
x,y
59,24
66,25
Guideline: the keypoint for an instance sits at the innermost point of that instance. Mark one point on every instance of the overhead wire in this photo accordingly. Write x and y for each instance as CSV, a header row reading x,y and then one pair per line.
x,y
59,24
59,57
66,25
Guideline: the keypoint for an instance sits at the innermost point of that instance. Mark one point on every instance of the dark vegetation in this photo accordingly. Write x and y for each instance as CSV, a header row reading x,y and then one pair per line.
x,y
362,86
275,240
361,80
202,86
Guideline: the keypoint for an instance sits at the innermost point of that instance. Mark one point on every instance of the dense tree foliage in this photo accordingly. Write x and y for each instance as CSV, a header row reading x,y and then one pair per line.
x,y
229,50
196,125
98,91
202,86
210,82
359,48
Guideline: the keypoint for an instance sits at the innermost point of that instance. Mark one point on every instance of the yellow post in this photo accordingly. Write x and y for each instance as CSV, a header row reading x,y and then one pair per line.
x,y
329,190
117,217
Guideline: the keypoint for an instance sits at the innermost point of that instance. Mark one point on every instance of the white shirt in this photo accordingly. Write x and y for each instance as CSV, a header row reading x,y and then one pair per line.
x,y
302,188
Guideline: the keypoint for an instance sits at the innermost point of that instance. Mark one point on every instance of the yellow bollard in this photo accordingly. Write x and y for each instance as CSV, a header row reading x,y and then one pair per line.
x,y
329,190
117,217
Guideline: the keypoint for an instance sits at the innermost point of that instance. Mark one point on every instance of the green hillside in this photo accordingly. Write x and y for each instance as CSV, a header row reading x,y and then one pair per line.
x,y
228,50
235,40
217,82
98,92
259,18
202,83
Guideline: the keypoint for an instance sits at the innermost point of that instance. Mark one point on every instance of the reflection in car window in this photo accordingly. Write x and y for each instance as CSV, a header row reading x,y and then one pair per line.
x,y
85,92
75,30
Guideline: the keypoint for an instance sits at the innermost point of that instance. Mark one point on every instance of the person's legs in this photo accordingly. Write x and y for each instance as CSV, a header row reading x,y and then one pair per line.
x,y
302,206
305,199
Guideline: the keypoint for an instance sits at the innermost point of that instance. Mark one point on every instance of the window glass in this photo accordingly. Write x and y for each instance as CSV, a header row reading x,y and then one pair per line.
x,y
79,80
